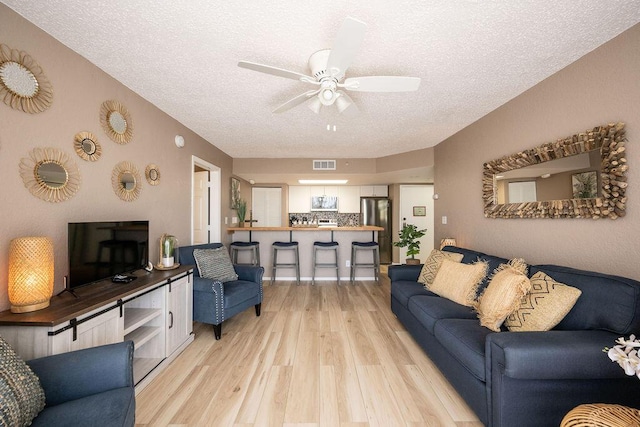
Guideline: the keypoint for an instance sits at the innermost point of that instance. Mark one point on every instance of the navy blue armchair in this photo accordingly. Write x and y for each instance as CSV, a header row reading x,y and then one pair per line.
x,y
214,301
91,387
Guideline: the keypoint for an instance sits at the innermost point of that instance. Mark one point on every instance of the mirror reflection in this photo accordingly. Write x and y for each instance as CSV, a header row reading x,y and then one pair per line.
x,y
88,146
128,181
51,174
117,122
574,177
19,79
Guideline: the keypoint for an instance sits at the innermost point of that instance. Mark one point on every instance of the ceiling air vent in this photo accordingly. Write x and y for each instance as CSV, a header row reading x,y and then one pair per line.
x,y
324,165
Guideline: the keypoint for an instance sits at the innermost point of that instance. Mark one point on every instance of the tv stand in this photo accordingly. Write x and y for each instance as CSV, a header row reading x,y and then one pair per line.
x,y
154,311
67,288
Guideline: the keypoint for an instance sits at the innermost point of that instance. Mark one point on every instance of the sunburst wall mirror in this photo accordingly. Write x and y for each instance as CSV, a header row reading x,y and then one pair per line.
x,y
50,175
126,181
87,146
152,173
23,84
116,121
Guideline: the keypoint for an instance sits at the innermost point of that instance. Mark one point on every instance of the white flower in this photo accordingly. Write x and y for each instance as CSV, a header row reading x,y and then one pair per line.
x,y
631,342
626,355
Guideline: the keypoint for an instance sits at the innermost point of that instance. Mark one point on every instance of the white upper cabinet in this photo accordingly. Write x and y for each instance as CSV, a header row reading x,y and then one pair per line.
x,y
299,198
349,199
374,191
319,190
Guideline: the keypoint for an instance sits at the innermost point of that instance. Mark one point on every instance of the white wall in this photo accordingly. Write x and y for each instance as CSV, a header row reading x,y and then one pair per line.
x,y
417,195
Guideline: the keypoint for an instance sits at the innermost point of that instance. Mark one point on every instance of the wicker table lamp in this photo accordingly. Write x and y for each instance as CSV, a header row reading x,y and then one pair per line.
x,y
30,273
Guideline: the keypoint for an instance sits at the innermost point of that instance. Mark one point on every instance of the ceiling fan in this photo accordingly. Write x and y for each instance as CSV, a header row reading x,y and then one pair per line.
x,y
328,67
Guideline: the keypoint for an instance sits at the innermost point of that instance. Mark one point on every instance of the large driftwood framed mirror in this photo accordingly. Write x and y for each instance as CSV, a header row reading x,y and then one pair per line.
x,y
581,176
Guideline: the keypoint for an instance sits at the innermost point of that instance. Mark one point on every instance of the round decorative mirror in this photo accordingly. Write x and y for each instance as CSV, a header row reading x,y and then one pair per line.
x,y
116,121
23,85
50,175
125,180
87,147
152,173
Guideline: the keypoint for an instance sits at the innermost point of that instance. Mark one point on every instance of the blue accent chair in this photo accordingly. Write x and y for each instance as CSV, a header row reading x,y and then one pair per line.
x,y
214,301
91,387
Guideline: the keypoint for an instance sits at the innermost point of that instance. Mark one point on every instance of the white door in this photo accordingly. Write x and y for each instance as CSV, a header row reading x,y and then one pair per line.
x,y
200,207
266,206
417,196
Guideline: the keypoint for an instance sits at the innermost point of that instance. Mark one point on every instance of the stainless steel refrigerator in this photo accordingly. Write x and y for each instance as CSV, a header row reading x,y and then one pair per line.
x,y
377,211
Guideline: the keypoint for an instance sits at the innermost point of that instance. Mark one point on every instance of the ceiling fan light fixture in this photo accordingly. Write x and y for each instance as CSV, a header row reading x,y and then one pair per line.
x,y
342,102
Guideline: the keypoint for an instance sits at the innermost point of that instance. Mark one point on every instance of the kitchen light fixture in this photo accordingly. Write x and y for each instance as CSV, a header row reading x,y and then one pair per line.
x,y
30,273
322,181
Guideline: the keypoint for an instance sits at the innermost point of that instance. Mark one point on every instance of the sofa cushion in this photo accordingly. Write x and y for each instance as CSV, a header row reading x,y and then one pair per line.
x,y
432,264
607,302
464,339
215,264
403,290
238,291
506,289
546,304
459,282
21,395
429,309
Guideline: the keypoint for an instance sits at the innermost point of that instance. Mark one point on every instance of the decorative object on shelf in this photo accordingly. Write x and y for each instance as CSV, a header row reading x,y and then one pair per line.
x,y
87,147
50,175
608,140
23,84
447,241
235,193
179,140
601,415
30,273
116,121
409,237
126,181
241,208
168,247
152,173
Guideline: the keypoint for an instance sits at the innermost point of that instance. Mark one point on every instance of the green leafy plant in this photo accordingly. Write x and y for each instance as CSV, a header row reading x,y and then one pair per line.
x,y
409,237
241,208
168,245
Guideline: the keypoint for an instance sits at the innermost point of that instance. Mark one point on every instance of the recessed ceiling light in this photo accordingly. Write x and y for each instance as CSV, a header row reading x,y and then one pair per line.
x,y
323,181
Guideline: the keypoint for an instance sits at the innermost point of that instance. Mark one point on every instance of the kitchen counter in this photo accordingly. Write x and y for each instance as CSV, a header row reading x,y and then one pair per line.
x,y
307,228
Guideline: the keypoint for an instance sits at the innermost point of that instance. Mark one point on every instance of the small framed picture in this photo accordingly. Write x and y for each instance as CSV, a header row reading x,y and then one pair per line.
x,y
419,211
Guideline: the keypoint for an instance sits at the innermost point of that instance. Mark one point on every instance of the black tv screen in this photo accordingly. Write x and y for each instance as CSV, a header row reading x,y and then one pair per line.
x,y
100,250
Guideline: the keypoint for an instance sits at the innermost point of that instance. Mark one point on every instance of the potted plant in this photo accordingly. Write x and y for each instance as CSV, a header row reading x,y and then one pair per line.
x,y
409,237
168,246
241,208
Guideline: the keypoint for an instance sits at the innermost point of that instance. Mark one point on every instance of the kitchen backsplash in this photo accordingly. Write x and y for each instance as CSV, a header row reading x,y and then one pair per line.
x,y
344,219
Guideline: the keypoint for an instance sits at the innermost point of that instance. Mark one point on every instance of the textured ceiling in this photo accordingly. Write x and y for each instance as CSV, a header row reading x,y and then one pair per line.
x,y
472,56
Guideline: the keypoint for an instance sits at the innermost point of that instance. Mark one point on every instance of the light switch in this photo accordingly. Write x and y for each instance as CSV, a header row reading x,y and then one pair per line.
x,y
444,219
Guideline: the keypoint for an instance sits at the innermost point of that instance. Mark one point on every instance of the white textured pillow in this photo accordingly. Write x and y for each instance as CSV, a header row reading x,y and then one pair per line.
x,y
215,264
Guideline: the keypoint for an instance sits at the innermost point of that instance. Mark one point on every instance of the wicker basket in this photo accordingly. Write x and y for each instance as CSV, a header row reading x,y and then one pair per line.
x,y
601,415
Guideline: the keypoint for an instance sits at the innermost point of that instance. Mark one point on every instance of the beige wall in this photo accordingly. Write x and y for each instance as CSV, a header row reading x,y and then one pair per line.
x,y
599,88
79,90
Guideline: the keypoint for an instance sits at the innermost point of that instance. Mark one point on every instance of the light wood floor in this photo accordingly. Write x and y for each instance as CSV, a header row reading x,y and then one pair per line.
x,y
323,355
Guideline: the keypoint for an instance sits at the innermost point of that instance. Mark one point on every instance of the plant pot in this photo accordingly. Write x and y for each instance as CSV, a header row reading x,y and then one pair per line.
x,y
412,261
167,262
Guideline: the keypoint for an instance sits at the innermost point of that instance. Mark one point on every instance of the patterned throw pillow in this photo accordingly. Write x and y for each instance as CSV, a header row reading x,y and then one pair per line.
x,y
502,296
544,306
215,264
21,395
432,265
459,282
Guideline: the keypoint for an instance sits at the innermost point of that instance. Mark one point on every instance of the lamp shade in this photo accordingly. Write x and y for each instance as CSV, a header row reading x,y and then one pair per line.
x,y
447,241
30,273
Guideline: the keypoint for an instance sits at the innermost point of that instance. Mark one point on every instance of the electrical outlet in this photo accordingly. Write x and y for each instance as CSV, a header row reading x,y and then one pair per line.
x,y
348,263
444,219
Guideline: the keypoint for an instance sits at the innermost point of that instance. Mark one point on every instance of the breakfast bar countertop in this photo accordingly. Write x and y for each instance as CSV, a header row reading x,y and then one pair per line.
x,y
303,228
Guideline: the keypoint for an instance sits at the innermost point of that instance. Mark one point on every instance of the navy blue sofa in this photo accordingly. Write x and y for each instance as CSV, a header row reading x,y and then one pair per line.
x,y
214,301
92,387
526,378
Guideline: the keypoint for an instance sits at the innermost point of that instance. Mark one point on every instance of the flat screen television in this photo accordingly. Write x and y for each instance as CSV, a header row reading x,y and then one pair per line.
x,y
100,250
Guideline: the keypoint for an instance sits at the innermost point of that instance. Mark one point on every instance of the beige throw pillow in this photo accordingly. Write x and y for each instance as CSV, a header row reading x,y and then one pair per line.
x,y
544,306
459,282
502,296
432,265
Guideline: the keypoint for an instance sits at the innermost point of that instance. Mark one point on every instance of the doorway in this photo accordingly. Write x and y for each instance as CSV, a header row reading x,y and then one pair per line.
x,y
416,207
205,202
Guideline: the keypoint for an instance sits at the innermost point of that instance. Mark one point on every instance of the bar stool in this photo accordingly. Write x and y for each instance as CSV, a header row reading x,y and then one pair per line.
x,y
320,246
375,264
237,247
281,246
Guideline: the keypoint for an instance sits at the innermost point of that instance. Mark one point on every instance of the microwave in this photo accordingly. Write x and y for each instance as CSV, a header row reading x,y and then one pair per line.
x,y
324,203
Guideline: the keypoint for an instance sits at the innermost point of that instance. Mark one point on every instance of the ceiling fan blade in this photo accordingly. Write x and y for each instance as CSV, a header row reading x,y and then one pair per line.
x,y
275,71
345,46
295,101
382,84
